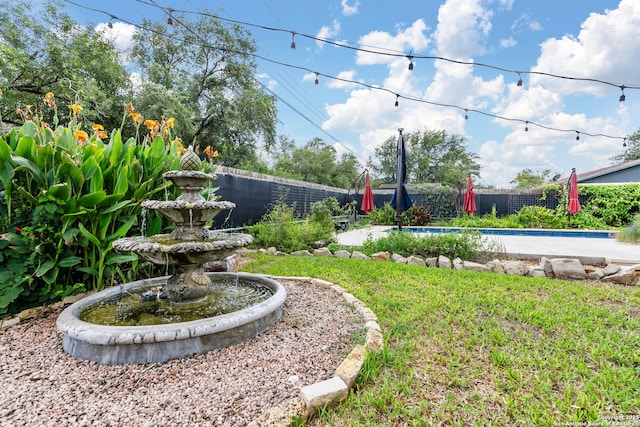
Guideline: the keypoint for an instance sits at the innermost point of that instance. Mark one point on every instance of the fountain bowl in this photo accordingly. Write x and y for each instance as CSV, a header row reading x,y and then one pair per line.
x,y
117,345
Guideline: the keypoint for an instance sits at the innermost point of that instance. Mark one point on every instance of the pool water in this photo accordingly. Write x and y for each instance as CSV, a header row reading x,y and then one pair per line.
x,y
601,234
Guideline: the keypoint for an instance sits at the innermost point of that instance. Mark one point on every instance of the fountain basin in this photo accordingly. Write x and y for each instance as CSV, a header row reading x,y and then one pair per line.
x,y
114,345
165,249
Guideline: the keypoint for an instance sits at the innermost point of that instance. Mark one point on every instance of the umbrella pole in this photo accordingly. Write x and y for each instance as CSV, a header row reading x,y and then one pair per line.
x,y
399,180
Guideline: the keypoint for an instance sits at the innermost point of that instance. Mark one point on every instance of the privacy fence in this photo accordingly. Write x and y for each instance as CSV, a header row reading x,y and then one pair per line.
x,y
256,194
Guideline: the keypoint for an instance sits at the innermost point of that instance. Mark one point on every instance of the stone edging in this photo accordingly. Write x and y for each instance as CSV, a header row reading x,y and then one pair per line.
x,y
336,388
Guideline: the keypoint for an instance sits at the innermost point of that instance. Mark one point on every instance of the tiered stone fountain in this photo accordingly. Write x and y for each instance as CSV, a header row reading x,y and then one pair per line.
x,y
152,320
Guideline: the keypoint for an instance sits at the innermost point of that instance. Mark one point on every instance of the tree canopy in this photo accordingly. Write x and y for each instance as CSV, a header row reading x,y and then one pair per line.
x,y
432,157
528,178
207,69
631,151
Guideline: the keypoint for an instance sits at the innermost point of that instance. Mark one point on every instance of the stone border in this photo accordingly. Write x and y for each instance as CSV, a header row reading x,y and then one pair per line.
x,y
336,388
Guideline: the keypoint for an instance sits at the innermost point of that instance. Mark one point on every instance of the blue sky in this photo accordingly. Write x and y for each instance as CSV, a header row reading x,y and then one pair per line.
x,y
584,39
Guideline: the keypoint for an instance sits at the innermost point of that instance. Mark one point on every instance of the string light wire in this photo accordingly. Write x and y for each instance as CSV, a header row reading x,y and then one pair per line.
x,y
359,83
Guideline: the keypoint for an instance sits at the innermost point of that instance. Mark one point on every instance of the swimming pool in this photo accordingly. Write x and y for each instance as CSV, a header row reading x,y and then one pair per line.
x,y
541,232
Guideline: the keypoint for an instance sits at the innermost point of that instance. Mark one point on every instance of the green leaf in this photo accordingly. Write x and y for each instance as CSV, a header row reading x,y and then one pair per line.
x,y
122,183
9,294
69,261
26,164
26,147
117,259
5,150
51,276
123,229
45,267
97,181
92,199
118,206
116,148
86,233
89,270
60,191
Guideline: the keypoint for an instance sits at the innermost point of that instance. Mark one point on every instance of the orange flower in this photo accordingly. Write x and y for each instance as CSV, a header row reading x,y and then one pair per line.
x,y
170,122
136,117
129,108
75,108
48,96
102,134
97,127
211,154
151,124
81,135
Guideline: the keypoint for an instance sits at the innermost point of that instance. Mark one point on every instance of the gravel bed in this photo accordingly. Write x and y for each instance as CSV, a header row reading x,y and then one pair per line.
x,y
43,386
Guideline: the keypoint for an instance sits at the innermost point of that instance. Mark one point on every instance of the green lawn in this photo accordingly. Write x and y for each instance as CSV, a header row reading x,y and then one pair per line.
x,y
465,348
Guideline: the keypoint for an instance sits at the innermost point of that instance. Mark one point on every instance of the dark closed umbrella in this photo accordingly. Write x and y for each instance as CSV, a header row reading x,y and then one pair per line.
x,y
469,204
574,203
401,200
367,198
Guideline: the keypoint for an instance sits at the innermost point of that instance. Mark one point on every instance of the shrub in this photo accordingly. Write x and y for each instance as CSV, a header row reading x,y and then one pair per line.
x,y
387,215
67,196
631,233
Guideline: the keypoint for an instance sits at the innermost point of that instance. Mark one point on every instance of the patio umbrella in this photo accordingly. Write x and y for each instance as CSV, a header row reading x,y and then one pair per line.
x,y
400,200
367,198
469,204
574,203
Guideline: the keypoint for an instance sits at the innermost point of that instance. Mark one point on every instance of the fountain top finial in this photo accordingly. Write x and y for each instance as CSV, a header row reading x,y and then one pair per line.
x,y
189,161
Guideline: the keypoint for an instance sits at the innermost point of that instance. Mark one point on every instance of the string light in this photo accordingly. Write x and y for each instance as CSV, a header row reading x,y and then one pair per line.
x,y
624,143
526,126
519,84
293,41
372,87
316,81
466,116
622,97
410,62
169,20
110,23
577,136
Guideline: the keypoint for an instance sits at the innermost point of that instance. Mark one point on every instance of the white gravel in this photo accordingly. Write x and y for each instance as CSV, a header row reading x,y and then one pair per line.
x,y
41,385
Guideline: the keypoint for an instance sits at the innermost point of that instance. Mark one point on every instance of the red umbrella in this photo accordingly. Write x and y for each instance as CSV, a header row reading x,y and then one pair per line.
x,y
469,204
574,203
367,198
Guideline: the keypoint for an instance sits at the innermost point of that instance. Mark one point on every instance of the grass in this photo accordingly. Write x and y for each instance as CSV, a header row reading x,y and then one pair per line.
x,y
466,348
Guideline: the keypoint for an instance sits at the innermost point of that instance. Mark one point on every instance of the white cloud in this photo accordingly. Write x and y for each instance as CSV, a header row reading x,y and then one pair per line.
x,y
509,42
463,27
606,48
348,10
121,35
341,84
410,39
328,33
526,22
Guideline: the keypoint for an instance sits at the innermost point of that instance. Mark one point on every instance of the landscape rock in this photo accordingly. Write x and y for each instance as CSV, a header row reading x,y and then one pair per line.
x,y
457,264
611,269
303,252
496,266
536,272
397,258
342,254
444,262
625,275
597,274
359,255
568,269
414,260
271,250
322,252
431,262
381,256
545,264
515,268
474,266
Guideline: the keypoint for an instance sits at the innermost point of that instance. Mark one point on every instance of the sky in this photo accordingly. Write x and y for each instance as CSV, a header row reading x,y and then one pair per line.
x,y
364,70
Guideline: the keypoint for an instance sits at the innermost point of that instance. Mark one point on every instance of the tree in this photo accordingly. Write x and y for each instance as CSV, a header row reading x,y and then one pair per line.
x,y
316,162
72,62
209,68
527,178
631,151
432,156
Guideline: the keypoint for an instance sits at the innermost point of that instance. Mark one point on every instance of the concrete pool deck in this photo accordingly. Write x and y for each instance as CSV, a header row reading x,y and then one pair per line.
x,y
593,251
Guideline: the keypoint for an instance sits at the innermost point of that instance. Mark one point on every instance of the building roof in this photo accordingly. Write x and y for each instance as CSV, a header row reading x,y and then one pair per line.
x,y
603,171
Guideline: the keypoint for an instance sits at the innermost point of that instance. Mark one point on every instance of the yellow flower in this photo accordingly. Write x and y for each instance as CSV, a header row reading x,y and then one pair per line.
x,y
48,96
48,100
170,122
136,117
97,127
81,135
75,108
102,134
181,150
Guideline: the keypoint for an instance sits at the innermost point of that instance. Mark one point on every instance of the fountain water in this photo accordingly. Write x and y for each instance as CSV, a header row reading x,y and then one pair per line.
x,y
170,302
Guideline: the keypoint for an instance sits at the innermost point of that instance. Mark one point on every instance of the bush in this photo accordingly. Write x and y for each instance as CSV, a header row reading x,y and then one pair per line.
x,y
466,245
387,215
281,229
539,217
631,233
